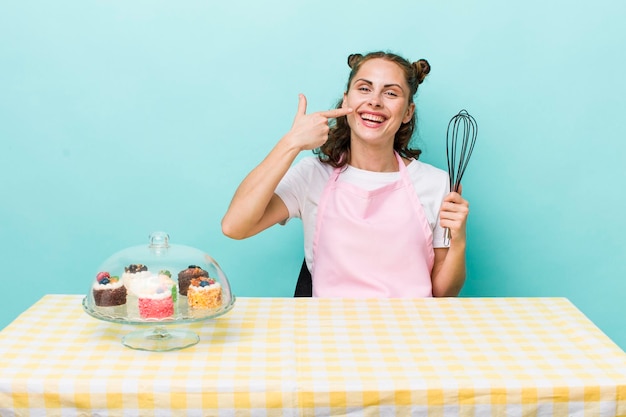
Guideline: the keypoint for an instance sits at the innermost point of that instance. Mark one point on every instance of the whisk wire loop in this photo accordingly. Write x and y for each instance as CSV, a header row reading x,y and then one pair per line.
x,y
462,127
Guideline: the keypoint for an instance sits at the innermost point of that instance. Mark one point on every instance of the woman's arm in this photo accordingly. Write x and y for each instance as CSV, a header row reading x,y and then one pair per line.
x,y
254,206
448,275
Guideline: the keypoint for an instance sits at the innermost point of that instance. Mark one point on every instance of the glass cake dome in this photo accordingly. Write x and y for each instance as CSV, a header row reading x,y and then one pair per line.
x,y
157,284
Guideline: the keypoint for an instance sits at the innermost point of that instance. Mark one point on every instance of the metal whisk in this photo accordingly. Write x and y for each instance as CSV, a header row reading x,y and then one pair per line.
x,y
460,141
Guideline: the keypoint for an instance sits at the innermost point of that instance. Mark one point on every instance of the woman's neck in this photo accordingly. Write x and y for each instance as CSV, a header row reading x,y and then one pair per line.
x,y
374,160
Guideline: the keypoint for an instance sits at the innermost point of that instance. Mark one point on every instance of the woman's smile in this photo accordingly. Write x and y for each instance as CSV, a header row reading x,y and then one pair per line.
x,y
372,119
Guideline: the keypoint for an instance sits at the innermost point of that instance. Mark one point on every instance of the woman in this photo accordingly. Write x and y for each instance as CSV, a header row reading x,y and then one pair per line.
x,y
373,214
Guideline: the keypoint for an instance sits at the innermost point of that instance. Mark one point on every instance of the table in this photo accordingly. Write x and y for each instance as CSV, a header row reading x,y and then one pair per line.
x,y
308,356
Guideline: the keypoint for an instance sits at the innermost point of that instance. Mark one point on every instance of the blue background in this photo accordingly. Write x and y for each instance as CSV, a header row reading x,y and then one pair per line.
x,y
120,118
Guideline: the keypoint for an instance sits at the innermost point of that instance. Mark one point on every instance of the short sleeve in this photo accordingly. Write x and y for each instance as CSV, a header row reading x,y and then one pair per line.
x,y
431,185
296,187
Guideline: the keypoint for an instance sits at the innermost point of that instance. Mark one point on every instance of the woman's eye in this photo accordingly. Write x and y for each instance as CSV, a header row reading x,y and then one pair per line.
x,y
364,88
392,93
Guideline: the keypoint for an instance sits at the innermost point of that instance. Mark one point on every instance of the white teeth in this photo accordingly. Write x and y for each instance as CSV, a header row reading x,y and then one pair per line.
x,y
372,118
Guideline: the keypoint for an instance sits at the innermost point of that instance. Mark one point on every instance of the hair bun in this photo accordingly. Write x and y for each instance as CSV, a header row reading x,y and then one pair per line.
x,y
422,68
353,59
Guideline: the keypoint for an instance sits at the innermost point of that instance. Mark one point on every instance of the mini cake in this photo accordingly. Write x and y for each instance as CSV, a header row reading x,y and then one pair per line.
x,y
108,291
204,293
185,276
156,295
134,272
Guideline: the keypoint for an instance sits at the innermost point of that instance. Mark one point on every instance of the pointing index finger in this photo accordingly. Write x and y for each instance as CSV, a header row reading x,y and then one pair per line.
x,y
332,114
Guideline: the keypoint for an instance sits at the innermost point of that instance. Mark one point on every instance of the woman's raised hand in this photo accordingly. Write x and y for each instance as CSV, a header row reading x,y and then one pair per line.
x,y
310,131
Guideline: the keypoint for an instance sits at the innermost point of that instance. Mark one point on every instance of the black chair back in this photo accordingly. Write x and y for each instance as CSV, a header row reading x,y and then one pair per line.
x,y
304,286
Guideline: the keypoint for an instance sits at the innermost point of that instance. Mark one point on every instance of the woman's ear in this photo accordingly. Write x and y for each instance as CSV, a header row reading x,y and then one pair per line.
x,y
343,102
409,113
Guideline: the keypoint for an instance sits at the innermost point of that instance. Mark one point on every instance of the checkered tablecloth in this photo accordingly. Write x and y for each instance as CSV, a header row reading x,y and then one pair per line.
x,y
306,356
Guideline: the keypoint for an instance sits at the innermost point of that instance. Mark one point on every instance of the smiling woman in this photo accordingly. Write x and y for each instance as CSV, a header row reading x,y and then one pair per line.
x,y
373,214
337,150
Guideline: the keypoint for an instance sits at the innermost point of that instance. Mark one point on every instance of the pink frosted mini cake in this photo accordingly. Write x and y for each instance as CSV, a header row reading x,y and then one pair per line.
x,y
156,296
108,291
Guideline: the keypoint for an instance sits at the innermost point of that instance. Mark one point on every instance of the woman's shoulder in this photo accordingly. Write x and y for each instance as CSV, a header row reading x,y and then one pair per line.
x,y
302,183
431,184
308,160
425,169
313,165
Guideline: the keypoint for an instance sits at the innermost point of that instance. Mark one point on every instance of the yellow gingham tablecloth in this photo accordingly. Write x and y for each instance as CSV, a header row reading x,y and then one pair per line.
x,y
307,356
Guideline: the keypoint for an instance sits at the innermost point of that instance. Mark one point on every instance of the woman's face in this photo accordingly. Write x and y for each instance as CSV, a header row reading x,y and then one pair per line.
x,y
379,95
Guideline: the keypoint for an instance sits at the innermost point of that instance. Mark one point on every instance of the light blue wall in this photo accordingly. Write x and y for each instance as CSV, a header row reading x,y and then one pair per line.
x,y
119,118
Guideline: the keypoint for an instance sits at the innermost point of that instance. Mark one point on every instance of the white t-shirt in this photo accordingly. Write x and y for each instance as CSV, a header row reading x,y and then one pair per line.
x,y
302,186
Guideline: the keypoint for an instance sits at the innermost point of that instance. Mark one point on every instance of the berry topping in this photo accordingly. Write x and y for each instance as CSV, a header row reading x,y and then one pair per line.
x,y
202,282
102,275
134,268
114,278
104,281
193,267
165,272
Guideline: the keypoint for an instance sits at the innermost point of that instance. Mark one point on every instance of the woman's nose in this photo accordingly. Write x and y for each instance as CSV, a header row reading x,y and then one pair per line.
x,y
375,100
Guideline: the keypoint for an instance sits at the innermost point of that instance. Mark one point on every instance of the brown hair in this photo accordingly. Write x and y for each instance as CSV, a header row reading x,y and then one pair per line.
x,y
336,151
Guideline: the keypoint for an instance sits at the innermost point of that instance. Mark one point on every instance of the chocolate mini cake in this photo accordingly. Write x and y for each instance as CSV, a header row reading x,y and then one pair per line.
x,y
108,291
185,276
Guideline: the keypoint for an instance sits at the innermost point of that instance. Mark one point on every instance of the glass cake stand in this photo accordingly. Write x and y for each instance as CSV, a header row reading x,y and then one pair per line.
x,y
147,286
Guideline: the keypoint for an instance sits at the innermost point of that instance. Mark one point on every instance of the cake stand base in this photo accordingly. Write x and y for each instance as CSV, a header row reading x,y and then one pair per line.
x,y
160,339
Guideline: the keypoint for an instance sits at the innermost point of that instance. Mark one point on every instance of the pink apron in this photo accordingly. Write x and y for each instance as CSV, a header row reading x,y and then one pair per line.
x,y
372,244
